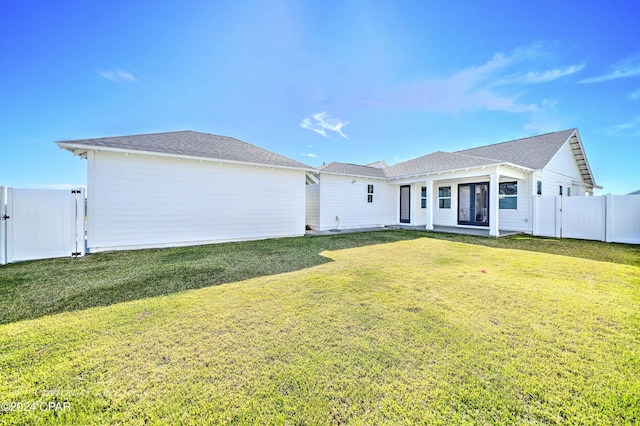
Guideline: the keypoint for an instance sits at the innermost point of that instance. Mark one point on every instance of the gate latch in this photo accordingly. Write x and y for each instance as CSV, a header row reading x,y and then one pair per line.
x,y
5,217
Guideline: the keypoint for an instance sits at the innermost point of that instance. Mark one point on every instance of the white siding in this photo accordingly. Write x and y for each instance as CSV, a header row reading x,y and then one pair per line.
x,y
520,218
561,170
138,201
418,214
312,213
509,220
445,217
342,197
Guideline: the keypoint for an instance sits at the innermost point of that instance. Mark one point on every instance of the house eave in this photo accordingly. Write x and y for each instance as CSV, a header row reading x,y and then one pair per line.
x,y
581,159
81,150
461,169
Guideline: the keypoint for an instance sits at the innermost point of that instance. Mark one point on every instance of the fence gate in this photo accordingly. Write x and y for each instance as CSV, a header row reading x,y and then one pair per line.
x,y
40,224
583,218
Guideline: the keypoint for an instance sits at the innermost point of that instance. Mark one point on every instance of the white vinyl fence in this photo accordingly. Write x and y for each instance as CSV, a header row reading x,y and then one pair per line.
x,y
40,224
611,218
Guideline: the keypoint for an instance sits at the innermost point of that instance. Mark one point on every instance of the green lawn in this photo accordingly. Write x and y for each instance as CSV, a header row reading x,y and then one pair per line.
x,y
386,327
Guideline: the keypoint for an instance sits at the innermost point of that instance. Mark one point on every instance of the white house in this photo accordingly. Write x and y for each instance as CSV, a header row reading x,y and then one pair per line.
x,y
186,188
490,187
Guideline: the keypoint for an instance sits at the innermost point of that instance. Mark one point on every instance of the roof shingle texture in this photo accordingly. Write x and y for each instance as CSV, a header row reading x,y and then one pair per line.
x,y
436,162
193,144
352,169
534,152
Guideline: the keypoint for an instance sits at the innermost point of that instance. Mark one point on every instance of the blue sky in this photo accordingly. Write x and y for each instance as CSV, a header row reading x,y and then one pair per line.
x,y
319,81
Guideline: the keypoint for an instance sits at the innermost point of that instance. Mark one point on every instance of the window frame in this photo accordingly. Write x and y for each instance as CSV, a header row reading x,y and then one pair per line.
x,y
423,197
442,199
502,196
370,193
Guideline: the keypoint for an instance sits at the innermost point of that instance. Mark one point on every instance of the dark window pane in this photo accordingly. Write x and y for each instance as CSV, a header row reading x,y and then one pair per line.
x,y
444,191
508,203
424,191
423,203
370,189
444,203
508,188
369,198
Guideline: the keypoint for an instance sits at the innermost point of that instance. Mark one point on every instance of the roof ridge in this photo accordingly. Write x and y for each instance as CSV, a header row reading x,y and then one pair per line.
x,y
477,156
351,164
192,144
138,134
516,140
326,165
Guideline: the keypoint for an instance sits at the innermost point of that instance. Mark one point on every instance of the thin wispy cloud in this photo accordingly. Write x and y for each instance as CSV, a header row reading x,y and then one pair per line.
x,y
322,122
634,96
550,75
630,128
630,67
117,75
310,155
496,85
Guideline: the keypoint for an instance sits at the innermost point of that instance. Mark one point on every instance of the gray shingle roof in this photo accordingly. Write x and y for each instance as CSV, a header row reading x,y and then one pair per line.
x,y
353,169
534,152
436,162
191,144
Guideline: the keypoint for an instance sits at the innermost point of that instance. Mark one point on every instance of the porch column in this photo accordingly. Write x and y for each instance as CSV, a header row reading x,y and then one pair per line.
x,y
430,204
493,203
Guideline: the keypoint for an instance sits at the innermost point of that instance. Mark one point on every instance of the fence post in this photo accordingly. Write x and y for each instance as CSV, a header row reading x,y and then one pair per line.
x,y
80,241
3,225
608,218
558,216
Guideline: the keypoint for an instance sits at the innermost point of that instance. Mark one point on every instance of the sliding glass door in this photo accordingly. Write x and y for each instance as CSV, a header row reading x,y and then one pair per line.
x,y
473,204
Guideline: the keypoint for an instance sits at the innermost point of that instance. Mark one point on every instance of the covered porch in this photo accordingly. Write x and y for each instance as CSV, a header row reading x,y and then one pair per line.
x,y
473,200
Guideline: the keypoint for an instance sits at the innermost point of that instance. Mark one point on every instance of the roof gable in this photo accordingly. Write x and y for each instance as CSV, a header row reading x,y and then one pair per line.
x,y
191,144
533,152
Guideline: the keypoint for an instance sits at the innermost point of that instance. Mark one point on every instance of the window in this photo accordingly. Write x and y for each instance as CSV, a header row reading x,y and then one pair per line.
x,y
560,192
444,197
568,191
539,187
369,193
423,197
508,195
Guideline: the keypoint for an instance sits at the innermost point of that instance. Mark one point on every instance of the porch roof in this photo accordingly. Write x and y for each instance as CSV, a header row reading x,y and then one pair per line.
x,y
438,161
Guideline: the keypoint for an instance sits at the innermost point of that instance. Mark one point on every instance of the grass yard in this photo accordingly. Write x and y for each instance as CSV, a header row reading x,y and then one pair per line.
x,y
384,327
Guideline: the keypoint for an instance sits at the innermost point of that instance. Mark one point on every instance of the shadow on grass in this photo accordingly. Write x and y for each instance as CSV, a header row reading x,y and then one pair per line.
x,y
33,289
